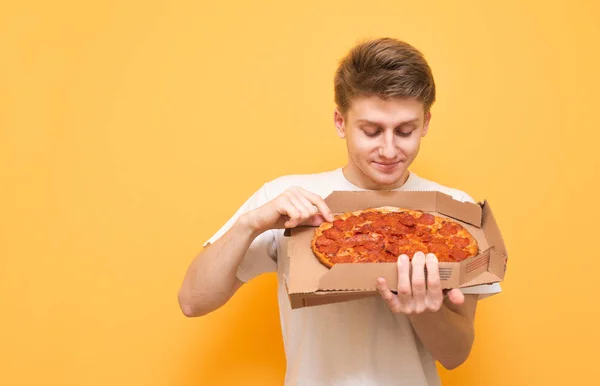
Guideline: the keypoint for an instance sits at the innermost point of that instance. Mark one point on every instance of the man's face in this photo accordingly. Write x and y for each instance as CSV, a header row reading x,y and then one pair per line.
x,y
383,139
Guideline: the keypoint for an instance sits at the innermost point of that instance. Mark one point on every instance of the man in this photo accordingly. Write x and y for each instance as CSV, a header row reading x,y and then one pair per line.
x,y
384,90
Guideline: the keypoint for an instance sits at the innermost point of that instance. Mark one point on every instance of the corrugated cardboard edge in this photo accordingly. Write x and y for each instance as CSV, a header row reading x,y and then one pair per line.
x,y
300,300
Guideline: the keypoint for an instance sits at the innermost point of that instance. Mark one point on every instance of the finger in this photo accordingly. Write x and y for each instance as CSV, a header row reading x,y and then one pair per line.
x,y
304,212
318,202
404,290
456,296
315,220
418,282
387,295
434,287
307,205
287,209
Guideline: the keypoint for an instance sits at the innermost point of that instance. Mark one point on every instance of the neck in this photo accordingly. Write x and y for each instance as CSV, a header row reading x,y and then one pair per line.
x,y
358,178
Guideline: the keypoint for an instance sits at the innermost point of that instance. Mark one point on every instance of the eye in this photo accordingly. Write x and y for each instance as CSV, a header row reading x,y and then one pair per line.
x,y
371,133
404,134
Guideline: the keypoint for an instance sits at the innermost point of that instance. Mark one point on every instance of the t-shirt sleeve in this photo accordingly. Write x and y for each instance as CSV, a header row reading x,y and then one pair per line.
x,y
261,256
484,290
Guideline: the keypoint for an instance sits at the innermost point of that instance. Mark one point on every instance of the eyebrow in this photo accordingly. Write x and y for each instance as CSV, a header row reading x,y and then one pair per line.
x,y
414,120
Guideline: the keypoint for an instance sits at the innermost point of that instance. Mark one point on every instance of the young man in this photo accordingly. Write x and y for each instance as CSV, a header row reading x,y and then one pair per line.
x,y
384,90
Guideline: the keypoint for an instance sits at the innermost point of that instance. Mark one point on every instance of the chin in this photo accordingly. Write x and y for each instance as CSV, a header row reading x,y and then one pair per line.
x,y
385,179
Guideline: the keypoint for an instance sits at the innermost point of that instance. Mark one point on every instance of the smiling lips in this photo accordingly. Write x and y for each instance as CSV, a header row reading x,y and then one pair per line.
x,y
386,167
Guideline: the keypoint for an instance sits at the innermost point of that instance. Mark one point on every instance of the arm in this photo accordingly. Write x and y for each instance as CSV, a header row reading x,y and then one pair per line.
x,y
445,326
211,280
448,333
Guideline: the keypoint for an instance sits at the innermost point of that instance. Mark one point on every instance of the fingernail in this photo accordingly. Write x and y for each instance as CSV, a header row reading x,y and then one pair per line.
x,y
404,258
431,258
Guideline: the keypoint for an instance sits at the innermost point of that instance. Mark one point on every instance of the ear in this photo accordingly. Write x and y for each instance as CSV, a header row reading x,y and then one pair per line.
x,y
426,125
338,120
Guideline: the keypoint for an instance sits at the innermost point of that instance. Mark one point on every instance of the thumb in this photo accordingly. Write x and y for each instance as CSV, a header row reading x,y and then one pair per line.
x,y
456,296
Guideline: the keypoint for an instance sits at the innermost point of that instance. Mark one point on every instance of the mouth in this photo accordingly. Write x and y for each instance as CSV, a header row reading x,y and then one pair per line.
x,y
386,166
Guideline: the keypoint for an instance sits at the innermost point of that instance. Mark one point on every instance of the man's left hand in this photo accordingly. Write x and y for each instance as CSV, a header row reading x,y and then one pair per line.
x,y
421,295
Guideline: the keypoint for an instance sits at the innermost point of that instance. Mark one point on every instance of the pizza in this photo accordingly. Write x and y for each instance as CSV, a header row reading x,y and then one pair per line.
x,y
380,235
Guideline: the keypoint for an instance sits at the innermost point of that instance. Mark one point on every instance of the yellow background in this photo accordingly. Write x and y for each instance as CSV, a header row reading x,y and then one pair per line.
x,y
131,130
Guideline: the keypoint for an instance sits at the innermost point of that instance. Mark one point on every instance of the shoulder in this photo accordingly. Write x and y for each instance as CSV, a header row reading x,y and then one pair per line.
x,y
318,183
419,183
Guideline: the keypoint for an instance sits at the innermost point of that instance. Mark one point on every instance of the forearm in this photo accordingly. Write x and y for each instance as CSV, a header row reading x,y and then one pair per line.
x,y
446,334
211,278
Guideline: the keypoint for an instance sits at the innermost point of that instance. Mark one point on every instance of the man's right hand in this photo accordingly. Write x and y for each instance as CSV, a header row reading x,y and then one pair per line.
x,y
290,209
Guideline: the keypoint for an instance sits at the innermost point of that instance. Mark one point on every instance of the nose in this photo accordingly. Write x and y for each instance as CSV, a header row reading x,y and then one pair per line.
x,y
387,149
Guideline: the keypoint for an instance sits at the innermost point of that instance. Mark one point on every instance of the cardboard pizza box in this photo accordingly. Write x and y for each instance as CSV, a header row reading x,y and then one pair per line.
x,y
310,283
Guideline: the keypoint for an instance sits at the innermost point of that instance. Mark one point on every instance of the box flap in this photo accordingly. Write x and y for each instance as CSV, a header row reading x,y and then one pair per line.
x,y
464,211
348,201
484,278
475,266
320,298
492,231
362,276
305,269
497,264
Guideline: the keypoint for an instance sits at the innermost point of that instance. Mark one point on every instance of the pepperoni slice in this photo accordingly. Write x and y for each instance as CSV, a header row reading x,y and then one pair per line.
x,y
361,238
361,250
448,229
392,238
407,219
386,257
343,225
437,240
426,219
396,246
444,258
403,242
459,242
438,249
370,216
410,251
392,217
341,259
391,220
353,220
322,240
334,234
400,229
422,230
354,240
458,254
426,238
367,228
393,248
374,245
378,225
348,242
329,249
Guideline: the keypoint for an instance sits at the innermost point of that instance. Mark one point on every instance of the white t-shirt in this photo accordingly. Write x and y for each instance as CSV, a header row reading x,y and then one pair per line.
x,y
360,342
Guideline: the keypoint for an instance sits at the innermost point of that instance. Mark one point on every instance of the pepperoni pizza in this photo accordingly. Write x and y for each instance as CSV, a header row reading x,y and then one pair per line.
x,y
382,234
